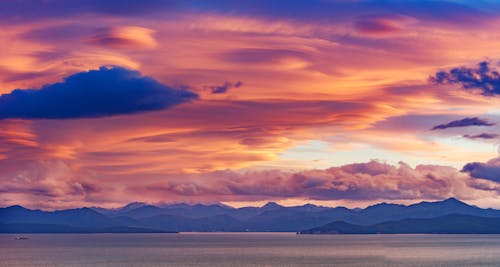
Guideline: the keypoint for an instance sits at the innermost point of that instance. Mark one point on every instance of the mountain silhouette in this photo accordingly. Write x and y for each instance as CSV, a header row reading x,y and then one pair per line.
x,y
199,217
449,224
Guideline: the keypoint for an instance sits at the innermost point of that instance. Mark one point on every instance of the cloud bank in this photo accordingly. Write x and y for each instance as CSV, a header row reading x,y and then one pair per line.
x,y
366,182
95,93
360,181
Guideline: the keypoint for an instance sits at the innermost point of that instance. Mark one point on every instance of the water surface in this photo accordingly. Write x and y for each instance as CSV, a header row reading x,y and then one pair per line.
x,y
249,249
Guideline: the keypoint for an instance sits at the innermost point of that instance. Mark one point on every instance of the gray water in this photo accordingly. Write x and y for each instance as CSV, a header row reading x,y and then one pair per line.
x,y
249,249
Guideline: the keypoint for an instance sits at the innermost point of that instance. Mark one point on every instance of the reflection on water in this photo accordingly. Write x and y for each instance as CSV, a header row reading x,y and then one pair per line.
x,y
249,249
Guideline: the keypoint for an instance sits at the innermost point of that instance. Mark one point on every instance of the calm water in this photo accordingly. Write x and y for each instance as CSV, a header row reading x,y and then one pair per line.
x,y
249,249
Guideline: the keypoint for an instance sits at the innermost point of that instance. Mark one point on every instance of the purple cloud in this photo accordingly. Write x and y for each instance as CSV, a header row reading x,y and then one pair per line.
x,y
488,171
382,24
482,136
482,78
463,123
222,89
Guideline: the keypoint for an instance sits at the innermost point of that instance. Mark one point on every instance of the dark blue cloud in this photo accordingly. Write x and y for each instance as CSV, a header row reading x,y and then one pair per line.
x,y
463,123
95,93
482,136
482,78
222,89
489,170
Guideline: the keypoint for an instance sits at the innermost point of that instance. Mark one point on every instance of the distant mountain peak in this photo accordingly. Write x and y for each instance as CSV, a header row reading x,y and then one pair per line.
x,y
272,205
383,205
79,210
17,207
133,205
453,200
449,201
456,202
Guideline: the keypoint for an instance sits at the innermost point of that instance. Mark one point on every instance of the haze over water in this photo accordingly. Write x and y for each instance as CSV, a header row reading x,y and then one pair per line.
x,y
249,249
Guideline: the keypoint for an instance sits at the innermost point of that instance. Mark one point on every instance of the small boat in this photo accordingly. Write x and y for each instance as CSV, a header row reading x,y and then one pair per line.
x,y
21,238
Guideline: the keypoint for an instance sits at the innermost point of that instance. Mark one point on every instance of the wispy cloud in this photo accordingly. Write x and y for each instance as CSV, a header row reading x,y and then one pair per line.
x,y
124,37
466,122
481,136
222,89
382,24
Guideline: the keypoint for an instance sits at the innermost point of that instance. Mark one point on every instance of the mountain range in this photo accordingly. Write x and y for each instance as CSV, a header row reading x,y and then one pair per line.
x,y
448,224
141,217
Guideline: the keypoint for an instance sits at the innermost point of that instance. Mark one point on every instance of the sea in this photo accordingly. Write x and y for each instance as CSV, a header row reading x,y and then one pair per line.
x,y
248,249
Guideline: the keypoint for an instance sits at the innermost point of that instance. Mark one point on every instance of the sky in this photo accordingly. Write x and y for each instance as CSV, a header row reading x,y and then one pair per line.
x,y
331,102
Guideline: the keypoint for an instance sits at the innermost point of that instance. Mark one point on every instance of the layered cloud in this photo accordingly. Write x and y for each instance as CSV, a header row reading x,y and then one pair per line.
x,y
382,24
124,37
95,93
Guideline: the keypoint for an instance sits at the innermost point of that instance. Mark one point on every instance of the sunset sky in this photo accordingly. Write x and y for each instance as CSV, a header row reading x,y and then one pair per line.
x,y
332,102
